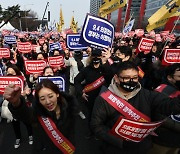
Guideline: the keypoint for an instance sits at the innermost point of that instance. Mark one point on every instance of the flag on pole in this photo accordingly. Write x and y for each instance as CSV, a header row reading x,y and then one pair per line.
x,y
61,21
165,11
110,6
161,22
73,25
160,17
128,27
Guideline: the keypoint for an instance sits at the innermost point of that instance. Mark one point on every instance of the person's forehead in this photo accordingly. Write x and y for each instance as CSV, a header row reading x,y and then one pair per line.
x,y
45,91
129,72
118,51
48,69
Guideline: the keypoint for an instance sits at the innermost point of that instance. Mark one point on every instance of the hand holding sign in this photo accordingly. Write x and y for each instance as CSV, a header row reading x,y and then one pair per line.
x,y
12,94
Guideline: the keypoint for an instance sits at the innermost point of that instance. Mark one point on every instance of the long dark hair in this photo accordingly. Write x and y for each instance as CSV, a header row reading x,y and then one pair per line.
x,y
46,83
15,68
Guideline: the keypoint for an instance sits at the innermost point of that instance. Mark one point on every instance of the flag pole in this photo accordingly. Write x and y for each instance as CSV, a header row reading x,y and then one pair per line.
x,y
125,14
170,33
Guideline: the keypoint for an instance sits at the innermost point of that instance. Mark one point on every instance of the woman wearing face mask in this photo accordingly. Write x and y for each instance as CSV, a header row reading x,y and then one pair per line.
x,y
52,116
125,98
89,82
48,71
12,70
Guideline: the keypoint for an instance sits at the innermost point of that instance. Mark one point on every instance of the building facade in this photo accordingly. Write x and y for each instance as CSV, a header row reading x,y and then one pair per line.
x,y
141,11
94,6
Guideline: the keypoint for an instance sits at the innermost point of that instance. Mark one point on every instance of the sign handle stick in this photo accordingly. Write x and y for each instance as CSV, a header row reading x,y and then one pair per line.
x,y
170,33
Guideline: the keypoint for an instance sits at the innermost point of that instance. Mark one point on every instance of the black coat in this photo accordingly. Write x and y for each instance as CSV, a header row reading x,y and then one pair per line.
x,y
65,124
87,76
104,117
169,132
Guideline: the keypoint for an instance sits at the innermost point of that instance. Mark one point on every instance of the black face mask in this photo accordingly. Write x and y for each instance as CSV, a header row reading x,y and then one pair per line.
x,y
177,84
117,60
49,75
96,60
128,86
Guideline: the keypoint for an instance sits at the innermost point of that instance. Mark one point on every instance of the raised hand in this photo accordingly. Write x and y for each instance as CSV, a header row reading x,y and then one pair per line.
x,y
12,94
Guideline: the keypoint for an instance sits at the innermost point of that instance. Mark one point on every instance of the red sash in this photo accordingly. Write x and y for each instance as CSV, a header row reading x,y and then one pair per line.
x,y
94,85
124,107
163,86
56,136
141,73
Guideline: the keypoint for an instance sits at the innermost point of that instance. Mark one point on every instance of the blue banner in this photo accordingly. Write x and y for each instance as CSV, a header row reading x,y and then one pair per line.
x,y
73,42
97,32
10,39
55,46
57,80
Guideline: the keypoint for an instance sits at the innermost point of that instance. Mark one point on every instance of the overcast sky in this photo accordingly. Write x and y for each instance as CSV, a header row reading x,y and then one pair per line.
x,y
80,8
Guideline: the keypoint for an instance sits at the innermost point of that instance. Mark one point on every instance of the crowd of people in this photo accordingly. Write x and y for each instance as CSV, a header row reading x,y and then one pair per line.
x,y
49,114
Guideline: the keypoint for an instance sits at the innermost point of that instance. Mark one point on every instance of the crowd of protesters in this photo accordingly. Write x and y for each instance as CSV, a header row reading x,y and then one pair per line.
x,y
116,69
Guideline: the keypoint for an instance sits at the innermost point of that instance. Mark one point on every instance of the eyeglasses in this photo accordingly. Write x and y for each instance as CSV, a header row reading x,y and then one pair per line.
x,y
127,79
118,54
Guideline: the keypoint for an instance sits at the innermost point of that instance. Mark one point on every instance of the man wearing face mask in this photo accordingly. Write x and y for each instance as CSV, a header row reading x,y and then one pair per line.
x,y
126,99
168,139
89,82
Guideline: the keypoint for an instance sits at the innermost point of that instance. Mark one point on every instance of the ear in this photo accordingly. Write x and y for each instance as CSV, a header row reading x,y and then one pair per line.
x,y
57,95
170,79
126,58
116,78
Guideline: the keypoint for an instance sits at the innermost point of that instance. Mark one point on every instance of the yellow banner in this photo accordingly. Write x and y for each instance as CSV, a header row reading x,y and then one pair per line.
x,y
165,11
161,22
61,21
73,25
110,6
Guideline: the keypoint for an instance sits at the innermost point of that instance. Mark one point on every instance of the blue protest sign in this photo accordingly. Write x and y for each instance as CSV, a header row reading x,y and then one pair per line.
x,y
176,117
57,80
54,46
73,42
10,39
97,32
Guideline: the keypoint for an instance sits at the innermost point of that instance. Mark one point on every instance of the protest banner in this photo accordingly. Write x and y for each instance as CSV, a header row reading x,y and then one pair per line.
x,y
6,80
139,32
176,117
133,130
24,47
34,66
171,56
10,39
110,6
55,46
4,53
73,42
57,80
97,32
145,45
5,32
57,61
